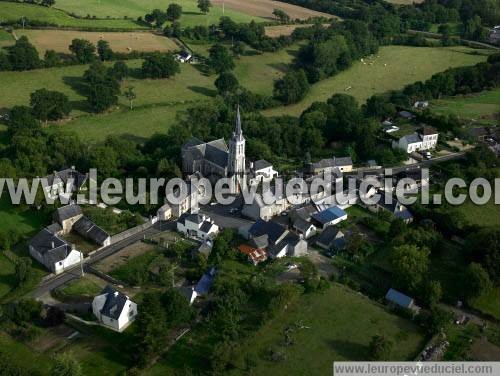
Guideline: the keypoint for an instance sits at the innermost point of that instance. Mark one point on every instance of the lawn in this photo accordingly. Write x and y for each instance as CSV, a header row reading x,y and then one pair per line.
x,y
135,266
88,286
482,108
59,40
6,39
138,8
24,357
14,11
393,68
25,222
480,215
489,303
329,335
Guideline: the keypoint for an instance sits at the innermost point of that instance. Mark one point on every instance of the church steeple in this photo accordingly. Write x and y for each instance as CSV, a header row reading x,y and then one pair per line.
x,y
236,165
238,132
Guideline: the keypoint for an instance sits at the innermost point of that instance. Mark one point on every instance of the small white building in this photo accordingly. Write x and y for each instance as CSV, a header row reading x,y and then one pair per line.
x,y
164,213
425,139
184,57
262,171
53,252
495,35
114,309
421,104
197,226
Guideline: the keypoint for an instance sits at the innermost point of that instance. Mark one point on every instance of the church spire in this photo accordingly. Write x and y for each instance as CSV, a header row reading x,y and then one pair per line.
x,y
238,132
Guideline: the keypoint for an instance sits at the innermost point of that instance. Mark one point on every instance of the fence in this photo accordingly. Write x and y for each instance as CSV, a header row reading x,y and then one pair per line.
x,y
134,230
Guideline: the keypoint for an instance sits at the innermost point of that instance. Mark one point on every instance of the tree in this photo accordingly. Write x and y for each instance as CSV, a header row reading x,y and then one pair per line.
x,y
104,50
158,17
238,48
477,281
174,12
219,59
292,87
119,70
65,364
130,95
158,65
23,269
55,316
226,83
281,15
484,248
83,50
380,348
49,105
433,293
51,59
48,3
410,265
204,6
23,55
102,87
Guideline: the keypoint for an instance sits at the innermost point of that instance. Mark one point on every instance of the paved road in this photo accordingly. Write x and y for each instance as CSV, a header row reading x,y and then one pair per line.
x,y
74,273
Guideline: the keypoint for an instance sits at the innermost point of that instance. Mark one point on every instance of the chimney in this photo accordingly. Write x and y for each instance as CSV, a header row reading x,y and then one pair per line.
x,y
53,245
115,293
72,167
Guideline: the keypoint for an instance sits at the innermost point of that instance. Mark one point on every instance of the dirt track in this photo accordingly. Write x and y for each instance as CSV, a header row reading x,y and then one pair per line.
x,y
264,8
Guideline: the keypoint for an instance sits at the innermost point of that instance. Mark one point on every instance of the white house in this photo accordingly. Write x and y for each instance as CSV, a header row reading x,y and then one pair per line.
x,y
164,213
262,171
184,57
114,309
53,252
304,228
197,226
421,104
425,139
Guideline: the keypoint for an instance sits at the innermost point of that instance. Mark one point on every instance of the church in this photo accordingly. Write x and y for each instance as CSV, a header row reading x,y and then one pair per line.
x,y
215,160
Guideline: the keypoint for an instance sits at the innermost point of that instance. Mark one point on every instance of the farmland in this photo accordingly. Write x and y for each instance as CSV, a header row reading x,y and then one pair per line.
x,y
59,40
14,12
264,8
138,8
393,68
482,108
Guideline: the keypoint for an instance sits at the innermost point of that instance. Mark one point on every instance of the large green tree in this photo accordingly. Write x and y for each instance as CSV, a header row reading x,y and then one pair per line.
x,y
23,55
49,105
292,87
83,50
174,12
220,60
410,265
160,65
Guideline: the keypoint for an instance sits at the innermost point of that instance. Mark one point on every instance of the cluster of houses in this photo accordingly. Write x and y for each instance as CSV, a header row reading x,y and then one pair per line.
x,y
51,249
487,135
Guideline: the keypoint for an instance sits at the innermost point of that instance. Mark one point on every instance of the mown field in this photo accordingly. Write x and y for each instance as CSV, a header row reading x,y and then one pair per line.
x,y
393,68
138,8
328,335
59,40
482,108
14,12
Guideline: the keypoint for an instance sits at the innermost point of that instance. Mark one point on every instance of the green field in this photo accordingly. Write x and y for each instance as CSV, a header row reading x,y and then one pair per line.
x,y
82,287
393,68
489,303
137,8
480,215
24,357
6,39
24,222
329,335
14,12
483,108
7,278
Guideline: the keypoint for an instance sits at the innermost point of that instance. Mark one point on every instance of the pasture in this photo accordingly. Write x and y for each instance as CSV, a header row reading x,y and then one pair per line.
x,y
15,11
489,303
6,39
138,8
59,40
392,68
264,8
482,108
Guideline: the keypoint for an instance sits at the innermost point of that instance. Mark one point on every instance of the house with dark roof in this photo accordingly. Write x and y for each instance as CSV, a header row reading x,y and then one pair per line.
x,y
425,139
89,230
329,217
204,285
331,238
262,171
398,298
197,226
391,204
406,115
275,238
304,228
114,309
67,216
343,164
53,252
64,183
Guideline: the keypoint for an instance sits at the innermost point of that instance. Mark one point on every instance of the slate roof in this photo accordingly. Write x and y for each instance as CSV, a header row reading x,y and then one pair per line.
x,y
333,162
399,298
66,212
259,241
206,226
79,179
50,246
273,230
193,218
329,215
88,229
412,138
302,225
215,152
405,114
332,237
206,281
115,302
261,164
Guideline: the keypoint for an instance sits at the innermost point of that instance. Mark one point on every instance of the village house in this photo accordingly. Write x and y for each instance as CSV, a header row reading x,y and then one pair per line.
x,y
89,230
407,115
164,213
425,139
203,286
329,165
331,238
64,183
114,309
397,298
262,171
255,255
304,228
66,217
391,204
184,57
274,238
421,105
329,217
53,252
187,202
197,226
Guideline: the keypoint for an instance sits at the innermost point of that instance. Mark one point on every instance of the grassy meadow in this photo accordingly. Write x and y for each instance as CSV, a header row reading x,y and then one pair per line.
x,y
6,39
489,303
482,108
15,11
138,8
393,68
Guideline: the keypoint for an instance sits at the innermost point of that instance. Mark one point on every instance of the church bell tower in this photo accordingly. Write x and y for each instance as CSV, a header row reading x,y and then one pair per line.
x,y
236,162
